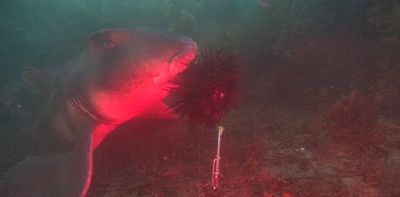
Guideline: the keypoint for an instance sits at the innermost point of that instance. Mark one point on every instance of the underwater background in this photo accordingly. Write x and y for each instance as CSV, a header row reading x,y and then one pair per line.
x,y
320,98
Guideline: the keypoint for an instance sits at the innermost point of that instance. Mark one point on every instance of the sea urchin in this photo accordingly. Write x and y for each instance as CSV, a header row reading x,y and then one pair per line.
x,y
207,89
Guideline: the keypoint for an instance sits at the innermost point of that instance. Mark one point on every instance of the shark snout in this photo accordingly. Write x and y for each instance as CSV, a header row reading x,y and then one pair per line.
x,y
190,45
183,57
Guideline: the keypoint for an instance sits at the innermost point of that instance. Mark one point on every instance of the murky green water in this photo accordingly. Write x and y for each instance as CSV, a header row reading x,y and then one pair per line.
x,y
331,66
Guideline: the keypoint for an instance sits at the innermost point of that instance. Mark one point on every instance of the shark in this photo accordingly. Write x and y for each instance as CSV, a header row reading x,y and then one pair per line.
x,y
122,74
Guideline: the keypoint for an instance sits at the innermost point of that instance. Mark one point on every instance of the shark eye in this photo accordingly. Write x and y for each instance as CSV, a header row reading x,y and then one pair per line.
x,y
108,44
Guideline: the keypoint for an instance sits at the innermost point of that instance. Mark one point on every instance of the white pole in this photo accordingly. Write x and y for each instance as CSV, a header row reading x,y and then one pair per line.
x,y
215,174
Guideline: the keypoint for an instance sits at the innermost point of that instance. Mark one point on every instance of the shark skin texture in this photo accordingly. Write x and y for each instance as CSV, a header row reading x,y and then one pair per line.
x,y
122,74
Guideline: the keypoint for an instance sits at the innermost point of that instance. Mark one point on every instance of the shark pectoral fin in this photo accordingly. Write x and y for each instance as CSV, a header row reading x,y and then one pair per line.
x,y
46,176
63,175
161,111
39,79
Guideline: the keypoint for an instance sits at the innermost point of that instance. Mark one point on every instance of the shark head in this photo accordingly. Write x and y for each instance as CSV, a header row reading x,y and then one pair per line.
x,y
120,75
124,72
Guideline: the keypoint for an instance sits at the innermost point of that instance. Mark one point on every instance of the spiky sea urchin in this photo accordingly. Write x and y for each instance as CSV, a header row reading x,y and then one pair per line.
x,y
207,89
